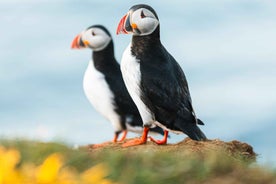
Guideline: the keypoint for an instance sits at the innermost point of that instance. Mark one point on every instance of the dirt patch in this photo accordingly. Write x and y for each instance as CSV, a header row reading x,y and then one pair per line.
x,y
186,147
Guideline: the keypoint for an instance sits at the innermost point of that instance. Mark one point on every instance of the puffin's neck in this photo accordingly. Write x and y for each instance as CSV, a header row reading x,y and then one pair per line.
x,y
104,58
144,44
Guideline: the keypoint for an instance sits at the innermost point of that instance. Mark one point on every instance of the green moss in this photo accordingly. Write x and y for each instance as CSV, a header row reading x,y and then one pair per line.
x,y
140,166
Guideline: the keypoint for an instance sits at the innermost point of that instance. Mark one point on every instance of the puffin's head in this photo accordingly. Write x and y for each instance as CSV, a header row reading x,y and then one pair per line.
x,y
140,20
95,37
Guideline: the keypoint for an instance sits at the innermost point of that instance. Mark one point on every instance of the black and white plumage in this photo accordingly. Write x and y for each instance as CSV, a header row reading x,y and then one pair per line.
x,y
153,77
103,83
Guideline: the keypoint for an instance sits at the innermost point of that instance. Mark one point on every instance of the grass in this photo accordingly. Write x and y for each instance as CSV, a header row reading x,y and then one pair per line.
x,y
36,152
140,166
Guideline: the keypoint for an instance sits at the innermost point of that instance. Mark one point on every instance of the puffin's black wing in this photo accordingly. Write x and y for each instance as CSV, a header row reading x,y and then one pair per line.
x,y
165,91
164,84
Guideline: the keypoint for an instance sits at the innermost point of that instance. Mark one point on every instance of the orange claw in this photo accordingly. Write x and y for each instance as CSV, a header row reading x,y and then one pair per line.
x,y
123,136
163,141
138,141
115,139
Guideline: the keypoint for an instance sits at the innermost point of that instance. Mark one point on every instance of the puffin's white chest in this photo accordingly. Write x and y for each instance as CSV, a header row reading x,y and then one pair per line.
x,y
99,94
130,68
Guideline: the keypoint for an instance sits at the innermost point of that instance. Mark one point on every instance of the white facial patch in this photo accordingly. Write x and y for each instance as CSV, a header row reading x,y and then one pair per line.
x,y
145,20
97,38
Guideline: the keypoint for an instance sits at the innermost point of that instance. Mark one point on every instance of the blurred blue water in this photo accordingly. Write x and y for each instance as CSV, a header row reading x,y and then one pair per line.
x,y
226,48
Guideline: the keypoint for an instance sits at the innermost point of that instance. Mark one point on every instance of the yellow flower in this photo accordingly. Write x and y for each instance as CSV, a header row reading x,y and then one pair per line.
x,y
9,158
68,176
95,175
8,161
49,170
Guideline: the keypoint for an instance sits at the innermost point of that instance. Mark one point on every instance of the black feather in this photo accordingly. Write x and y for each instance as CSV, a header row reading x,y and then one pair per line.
x,y
164,86
105,62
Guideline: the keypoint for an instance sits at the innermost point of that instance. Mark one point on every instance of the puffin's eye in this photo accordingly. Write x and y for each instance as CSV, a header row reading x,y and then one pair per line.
x,y
93,33
142,14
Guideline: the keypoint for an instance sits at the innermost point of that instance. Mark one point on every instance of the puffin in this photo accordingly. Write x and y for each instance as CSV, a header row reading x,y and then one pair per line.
x,y
155,80
104,86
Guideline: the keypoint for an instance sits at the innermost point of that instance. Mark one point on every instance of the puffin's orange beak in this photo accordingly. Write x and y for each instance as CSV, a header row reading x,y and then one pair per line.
x,y
121,26
75,43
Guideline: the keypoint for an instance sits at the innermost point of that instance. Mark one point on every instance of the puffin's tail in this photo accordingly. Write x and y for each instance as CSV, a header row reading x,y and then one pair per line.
x,y
193,131
200,122
189,127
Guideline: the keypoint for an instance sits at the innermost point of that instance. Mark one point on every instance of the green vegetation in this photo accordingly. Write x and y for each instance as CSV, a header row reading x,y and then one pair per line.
x,y
139,165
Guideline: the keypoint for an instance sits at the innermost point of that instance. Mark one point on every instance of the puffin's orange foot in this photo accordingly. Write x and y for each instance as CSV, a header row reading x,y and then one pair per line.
x,y
134,142
159,142
163,141
123,136
138,141
101,145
